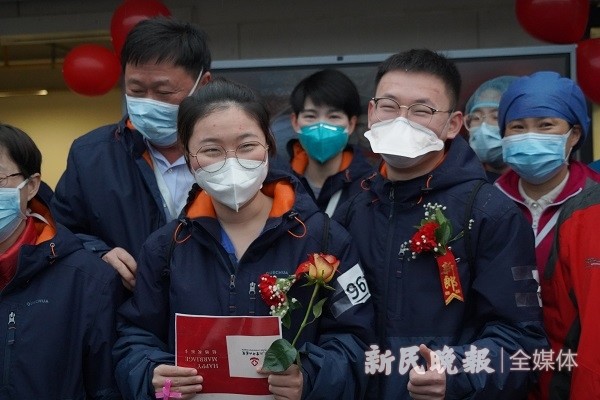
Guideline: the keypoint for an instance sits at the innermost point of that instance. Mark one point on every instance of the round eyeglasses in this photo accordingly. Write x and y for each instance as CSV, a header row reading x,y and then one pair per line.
x,y
4,178
477,118
421,114
249,155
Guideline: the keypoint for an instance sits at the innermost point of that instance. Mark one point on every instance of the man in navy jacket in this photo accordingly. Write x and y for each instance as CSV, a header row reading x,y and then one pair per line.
x,y
457,302
124,181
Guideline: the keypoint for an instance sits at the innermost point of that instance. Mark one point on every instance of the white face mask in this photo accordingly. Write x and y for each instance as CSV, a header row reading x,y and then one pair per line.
x,y
233,185
401,144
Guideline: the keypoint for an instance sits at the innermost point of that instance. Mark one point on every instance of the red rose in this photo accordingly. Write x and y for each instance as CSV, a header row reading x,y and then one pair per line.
x,y
302,269
424,239
319,266
270,293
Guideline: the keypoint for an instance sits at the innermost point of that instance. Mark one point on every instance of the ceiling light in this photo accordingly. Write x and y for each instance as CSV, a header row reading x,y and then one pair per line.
x,y
13,93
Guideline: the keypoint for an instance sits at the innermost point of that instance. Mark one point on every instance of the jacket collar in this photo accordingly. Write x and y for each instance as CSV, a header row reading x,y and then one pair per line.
x,y
459,165
54,242
281,191
292,206
580,176
299,160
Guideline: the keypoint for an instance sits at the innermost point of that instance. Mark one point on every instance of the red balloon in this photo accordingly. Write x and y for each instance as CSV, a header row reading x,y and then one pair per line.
x,y
588,68
128,14
91,70
554,21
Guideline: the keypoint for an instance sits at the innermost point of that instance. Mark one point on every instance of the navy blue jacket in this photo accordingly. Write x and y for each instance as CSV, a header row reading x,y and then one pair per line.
x,y
500,313
202,279
348,180
57,322
108,194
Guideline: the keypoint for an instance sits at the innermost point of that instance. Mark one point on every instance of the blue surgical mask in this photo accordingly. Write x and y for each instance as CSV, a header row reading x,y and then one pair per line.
x,y
155,120
10,210
323,141
535,157
485,140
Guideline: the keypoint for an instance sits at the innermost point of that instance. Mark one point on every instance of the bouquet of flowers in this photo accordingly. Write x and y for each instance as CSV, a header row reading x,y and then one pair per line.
x,y
319,270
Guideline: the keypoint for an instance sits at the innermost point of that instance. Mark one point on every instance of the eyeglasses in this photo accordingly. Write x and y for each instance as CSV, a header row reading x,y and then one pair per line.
x,y
249,155
422,114
475,119
4,178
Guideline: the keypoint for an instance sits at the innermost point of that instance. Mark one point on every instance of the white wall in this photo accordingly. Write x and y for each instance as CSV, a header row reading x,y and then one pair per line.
x,y
55,120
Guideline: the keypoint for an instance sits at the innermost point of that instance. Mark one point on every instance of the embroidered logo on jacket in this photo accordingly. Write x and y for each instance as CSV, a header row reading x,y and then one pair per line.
x,y
38,301
592,262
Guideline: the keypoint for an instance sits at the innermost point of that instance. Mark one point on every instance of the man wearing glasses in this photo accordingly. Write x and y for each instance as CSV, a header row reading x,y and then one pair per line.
x,y
125,180
448,258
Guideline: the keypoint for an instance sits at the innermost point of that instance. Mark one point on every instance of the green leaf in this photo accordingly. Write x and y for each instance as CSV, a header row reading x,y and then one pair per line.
x,y
294,305
326,286
280,355
440,217
443,233
286,320
318,308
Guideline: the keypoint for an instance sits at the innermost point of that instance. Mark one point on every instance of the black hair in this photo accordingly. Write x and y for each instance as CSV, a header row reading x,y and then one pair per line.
x,y
220,94
21,149
425,61
328,87
163,39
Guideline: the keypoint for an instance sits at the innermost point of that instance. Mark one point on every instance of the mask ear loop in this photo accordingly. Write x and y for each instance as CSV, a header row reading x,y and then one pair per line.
x,y
196,83
568,135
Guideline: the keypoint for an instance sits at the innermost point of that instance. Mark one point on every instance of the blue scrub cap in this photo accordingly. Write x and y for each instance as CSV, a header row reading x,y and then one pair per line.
x,y
488,94
545,94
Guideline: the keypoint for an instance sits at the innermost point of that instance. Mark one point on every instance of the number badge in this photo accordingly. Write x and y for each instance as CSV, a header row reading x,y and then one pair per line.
x,y
354,284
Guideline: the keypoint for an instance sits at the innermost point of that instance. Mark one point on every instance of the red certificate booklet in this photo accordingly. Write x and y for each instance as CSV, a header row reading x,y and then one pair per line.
x,y
226,351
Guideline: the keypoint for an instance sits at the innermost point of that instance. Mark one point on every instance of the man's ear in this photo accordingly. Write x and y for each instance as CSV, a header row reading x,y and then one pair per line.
x,y
295,124
33,186
206,77
352,125
371,119
454,124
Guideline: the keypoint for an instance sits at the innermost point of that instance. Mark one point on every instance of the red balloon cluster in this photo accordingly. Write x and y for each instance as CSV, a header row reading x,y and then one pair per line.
x,y
564,22
93,70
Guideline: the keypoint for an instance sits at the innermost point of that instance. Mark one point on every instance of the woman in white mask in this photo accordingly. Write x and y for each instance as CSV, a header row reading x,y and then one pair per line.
x,y
543,119
57,300
241,221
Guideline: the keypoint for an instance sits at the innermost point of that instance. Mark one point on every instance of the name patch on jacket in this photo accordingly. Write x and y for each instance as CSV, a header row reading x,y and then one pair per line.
x,y
354,285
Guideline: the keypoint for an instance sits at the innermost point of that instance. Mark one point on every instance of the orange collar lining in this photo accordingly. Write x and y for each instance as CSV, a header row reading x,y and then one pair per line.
x,y
282,193
300,159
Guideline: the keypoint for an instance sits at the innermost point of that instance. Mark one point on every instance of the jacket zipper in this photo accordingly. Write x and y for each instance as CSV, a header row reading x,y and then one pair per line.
x,y
252,293
231,270
10,340
232,294
382,317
